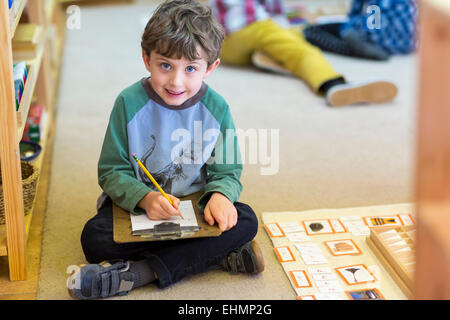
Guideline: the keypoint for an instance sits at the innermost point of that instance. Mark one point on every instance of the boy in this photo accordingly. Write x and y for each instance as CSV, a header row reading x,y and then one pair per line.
x,y
180,48
250,26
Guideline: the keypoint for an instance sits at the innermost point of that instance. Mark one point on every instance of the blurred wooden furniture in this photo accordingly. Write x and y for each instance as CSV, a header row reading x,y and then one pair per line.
x,y
432,278
40,87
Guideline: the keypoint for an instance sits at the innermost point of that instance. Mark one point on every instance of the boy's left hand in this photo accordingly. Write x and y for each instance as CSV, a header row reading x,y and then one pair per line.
x,y
220,209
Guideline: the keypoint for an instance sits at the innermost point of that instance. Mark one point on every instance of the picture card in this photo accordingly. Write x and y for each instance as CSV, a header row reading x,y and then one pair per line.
x,y
384,221
289,227
391,238
406,219
352,224
274,230
349,218
300,279
324,276
318,259
298,237
328,283
306,297
311,253
365,294
331,289
396,242
356,274
337,225
399,249
313,227
284,254
342,247
356,226
308,248
322,270
387,234
328,296
362,231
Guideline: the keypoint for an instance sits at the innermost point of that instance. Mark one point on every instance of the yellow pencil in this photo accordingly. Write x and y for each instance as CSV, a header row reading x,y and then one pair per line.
x,y
153,180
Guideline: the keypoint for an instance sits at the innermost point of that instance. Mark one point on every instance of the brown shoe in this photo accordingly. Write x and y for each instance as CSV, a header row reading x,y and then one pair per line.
x,y
247,258
361,92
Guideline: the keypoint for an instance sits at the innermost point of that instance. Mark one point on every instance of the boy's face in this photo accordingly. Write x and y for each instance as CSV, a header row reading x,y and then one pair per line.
x,y
177,80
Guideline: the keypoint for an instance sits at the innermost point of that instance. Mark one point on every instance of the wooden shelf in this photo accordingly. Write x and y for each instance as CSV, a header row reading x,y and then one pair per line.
x,y
3,242
17,17
33,71
50,6
48,14
38,163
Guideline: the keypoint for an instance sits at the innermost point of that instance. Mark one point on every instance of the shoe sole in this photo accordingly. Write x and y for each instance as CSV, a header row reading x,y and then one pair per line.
x,y
259,256
373,92
264,62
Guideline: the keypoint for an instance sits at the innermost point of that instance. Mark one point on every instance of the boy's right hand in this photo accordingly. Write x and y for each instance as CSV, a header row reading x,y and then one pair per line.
x,y
157,207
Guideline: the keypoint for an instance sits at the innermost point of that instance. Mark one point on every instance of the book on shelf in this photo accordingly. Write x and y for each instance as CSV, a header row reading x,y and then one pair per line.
x,y
13,6
20,73
34,126
26,40
12,15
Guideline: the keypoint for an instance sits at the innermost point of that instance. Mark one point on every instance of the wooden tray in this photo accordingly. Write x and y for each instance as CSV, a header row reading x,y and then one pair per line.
x,y
396,245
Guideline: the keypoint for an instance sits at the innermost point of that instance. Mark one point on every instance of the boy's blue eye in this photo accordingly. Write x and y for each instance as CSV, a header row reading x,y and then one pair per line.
x,y
190,69
165,66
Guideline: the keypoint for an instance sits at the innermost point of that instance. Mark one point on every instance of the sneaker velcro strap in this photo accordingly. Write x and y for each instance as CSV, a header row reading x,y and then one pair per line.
x,y
111,282
105,285
114,282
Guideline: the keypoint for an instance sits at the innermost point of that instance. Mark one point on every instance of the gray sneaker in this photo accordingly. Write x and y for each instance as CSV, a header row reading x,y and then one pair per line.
x,y
102,280
247,258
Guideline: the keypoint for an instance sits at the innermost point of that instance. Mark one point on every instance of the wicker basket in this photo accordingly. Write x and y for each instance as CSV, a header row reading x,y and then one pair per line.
x,y
30,174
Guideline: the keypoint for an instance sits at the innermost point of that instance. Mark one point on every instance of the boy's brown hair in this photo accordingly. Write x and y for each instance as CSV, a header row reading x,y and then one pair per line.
x,y
178,27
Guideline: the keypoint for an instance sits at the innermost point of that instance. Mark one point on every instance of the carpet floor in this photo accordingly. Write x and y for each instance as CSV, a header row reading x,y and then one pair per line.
x,y
323,158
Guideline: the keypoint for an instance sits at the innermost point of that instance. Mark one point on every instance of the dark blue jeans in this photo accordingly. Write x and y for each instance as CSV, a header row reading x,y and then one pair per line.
x,y
171,260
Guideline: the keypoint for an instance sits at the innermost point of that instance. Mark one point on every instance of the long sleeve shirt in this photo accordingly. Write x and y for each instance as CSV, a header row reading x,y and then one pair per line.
x,y
187,148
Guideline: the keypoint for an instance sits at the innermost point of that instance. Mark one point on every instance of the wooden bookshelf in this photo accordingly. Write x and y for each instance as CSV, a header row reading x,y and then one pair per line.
x,y
49,121
33,70
21,5
41,85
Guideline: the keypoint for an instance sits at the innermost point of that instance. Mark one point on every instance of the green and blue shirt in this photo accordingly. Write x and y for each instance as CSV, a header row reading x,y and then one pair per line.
x,y
188,148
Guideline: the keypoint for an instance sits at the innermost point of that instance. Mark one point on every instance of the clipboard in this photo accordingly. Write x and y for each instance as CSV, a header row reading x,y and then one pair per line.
x,y
122,226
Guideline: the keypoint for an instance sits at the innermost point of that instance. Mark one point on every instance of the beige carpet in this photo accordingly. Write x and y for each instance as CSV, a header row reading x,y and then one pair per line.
x,y
328,158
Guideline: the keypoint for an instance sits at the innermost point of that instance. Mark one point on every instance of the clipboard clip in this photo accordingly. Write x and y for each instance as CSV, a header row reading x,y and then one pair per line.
x,y
167,230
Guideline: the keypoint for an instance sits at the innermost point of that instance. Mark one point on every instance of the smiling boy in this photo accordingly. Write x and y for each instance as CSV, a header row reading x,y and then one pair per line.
x,y
177,80
180,48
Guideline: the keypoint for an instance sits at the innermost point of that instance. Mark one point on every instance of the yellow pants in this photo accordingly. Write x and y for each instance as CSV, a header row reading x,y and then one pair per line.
x,y
287,47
